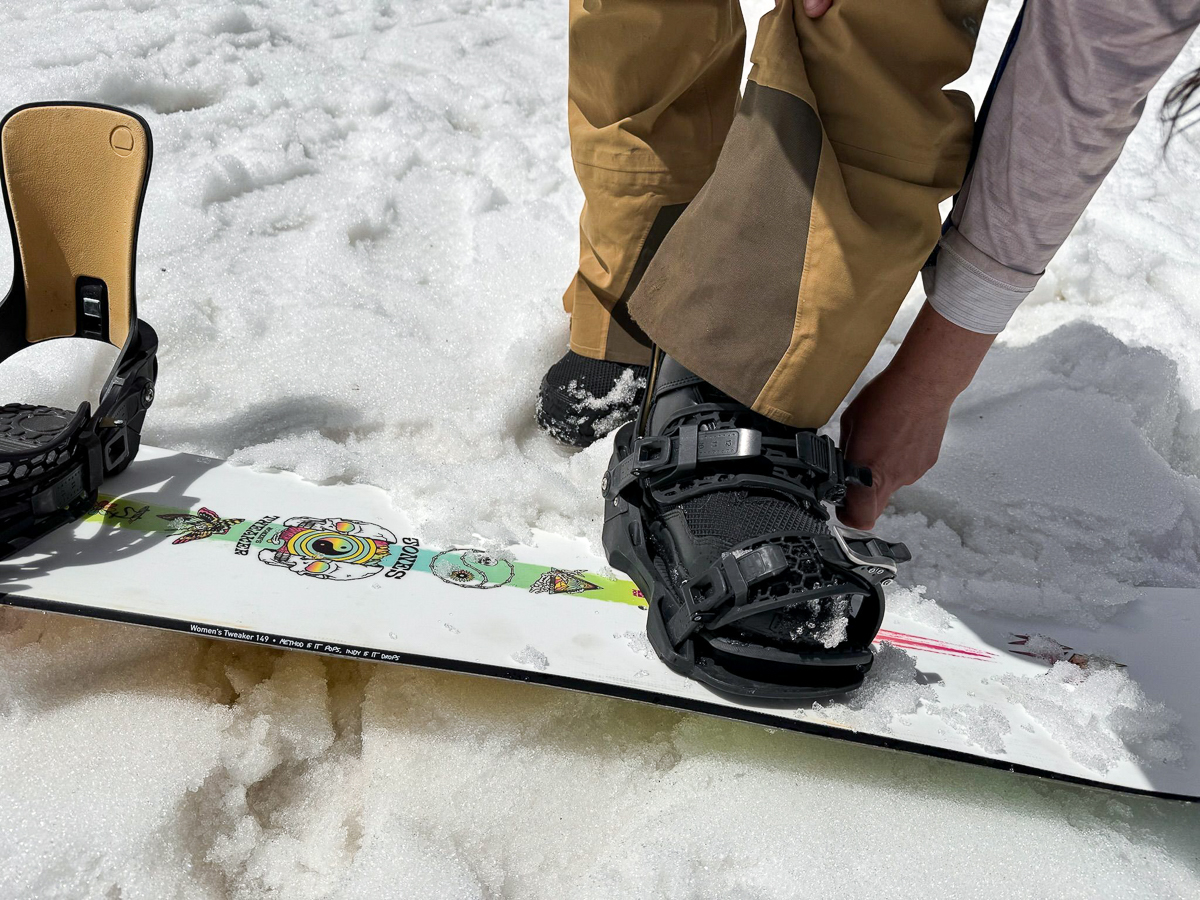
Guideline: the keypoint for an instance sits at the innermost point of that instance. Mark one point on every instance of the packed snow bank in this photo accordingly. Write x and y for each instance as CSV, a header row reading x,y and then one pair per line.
x,y
357,231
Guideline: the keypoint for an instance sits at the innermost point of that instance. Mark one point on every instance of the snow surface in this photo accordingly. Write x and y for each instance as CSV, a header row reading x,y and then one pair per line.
x,y
360,221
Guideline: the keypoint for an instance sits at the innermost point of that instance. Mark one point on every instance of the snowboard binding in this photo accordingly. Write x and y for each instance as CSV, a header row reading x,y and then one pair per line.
x,y
73,178
718,515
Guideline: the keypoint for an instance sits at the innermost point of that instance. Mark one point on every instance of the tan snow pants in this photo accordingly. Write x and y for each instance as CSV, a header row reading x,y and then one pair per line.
x,y
765,245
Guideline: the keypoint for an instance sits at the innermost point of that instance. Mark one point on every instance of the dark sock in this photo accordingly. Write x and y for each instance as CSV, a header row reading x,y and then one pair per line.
x,y
581,399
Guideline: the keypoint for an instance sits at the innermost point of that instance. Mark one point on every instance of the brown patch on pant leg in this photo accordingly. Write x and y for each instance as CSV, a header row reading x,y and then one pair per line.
x,y
721,294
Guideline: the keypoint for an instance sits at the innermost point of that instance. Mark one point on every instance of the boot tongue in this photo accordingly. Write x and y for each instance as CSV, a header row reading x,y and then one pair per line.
x,y
674,388
704,527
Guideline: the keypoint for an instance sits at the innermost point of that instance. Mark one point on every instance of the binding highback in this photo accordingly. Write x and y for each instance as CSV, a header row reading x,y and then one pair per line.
x,y
74,176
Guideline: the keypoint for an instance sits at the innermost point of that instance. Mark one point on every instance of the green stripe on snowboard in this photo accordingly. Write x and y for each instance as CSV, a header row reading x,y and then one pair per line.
x,y
318,545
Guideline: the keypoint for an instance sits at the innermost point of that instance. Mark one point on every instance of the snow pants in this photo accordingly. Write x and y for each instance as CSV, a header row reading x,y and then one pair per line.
x,y
765,244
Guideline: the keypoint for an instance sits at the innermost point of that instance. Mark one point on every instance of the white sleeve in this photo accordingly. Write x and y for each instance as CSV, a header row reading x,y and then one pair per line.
x,y
1073,87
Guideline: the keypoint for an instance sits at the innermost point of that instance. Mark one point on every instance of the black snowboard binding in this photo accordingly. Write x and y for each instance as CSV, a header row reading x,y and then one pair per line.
x,y
717,514
74,176
581,399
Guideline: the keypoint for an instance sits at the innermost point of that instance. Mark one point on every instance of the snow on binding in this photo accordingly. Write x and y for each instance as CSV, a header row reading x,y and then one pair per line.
x,y
719,515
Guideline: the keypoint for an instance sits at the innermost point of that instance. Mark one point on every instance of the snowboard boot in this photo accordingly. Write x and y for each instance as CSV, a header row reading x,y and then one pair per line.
x,y
581,399
718,514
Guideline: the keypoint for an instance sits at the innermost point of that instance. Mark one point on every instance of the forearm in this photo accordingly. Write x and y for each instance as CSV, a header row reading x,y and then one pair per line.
x,y
937,358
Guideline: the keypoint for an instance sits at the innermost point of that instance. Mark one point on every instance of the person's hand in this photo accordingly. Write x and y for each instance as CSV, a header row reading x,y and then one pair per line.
x,y
894,427
896,423
814,9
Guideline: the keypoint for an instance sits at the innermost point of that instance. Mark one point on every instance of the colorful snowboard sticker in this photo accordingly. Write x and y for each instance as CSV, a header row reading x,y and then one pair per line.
x,y
198,525
326,548
562,581
337,549
472,568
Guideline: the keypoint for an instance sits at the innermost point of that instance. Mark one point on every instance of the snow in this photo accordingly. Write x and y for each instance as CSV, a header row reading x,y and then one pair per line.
x,y
359,224
1062,527
532,656
894,689
1098,712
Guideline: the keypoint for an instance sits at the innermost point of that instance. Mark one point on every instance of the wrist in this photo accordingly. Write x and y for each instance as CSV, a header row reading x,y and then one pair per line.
x,y
937,358
925,385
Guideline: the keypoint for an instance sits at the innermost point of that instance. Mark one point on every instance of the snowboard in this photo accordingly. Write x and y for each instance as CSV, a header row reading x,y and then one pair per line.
x,y
224,551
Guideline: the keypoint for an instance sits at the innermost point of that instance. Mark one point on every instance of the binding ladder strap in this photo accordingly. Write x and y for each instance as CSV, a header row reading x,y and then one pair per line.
x,y
74,177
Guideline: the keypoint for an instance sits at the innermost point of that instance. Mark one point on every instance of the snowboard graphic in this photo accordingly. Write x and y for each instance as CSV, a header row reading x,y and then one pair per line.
x,y
193,544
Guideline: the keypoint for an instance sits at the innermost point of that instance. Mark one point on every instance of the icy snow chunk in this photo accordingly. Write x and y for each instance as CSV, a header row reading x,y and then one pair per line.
x,y
833,630
617,402
623,392
893,688
984,726
1099,714
912,604
605,412
638,642
818,620
531,656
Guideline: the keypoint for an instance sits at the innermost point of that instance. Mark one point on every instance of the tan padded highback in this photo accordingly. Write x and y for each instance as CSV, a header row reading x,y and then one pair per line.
x,y
74,176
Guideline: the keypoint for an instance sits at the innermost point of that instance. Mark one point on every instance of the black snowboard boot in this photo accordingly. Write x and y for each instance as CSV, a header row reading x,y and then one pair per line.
x,y
718,515
581,400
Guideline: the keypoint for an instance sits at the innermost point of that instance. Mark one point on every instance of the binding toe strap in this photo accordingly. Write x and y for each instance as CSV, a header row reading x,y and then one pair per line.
x,y
725,593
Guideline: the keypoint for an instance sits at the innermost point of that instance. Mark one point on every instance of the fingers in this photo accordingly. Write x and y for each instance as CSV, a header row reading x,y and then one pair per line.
x,y
814,9
861,508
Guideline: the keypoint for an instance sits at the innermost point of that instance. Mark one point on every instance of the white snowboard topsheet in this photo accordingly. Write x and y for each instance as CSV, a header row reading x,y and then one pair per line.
x,y
579,624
